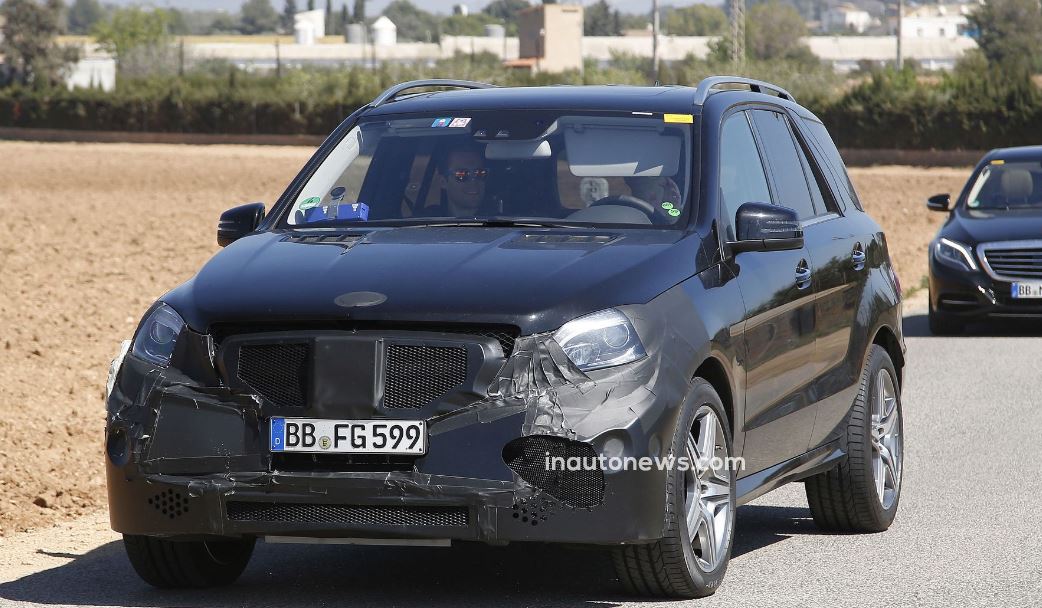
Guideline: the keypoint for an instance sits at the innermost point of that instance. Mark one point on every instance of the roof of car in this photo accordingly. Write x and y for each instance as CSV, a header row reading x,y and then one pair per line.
x,y
1013,154
672,99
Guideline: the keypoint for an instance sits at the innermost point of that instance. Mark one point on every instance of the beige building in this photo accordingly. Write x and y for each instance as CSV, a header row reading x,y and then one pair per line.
x,y
550,38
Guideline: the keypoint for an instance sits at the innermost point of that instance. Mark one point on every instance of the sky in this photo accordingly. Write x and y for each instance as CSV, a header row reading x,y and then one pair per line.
x,y
373,7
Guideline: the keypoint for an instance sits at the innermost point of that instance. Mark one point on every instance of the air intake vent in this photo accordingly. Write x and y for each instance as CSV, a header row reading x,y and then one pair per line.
x,y
344,240
583,488
455,517
279,372
418,375
170,503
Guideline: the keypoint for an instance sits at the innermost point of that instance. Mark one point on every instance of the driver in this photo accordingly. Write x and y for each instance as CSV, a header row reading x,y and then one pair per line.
x,y
462,175
655,190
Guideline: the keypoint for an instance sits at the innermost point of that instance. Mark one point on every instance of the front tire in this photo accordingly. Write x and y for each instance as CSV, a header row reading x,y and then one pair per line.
x,y
172,564
862,492
692,557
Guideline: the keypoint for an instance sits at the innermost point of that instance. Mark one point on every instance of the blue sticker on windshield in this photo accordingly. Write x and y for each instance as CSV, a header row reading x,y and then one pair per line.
x,y
442,122
353,211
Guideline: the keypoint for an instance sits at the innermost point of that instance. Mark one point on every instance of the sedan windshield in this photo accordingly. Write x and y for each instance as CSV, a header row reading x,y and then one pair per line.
x,y
514,167
1007,185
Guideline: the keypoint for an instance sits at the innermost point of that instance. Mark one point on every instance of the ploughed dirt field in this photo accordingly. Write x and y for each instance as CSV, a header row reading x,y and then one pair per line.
x,y
92,234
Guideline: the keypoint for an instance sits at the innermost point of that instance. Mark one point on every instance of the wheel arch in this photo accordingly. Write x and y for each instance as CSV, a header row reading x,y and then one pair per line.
x,y
886,338
713,371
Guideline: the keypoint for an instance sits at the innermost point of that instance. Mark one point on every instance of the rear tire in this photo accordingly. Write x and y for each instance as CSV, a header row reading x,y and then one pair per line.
x,y
172,564
685,564
944,325
852,497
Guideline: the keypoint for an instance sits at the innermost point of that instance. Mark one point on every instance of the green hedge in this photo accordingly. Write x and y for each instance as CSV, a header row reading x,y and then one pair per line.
x,y
887,110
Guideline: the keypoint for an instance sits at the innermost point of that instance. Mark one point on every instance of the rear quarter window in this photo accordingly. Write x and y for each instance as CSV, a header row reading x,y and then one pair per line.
x,y
834,160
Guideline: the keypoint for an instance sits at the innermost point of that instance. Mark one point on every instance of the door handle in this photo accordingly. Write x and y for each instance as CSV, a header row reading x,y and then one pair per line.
x,y
857,257
802,275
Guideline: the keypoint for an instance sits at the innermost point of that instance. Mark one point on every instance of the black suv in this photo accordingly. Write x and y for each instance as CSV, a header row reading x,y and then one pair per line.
x,y
587,315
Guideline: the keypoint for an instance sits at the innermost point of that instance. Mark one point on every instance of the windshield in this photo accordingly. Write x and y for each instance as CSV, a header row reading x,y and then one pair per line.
x,y
1007,185
504,167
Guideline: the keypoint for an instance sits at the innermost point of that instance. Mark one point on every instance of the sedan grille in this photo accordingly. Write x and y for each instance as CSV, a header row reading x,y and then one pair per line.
x,y
1019,260
417,375
355,515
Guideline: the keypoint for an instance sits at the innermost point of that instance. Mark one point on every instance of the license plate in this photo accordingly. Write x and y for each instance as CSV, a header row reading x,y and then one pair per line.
x,y
322,436
1027,290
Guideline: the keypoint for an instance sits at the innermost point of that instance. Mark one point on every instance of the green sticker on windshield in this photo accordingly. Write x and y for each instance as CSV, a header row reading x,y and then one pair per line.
x,y
667,205
674,212
309,203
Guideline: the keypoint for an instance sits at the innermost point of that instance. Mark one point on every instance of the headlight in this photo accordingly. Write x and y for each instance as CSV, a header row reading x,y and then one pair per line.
x,y
600,340
954,254
157,337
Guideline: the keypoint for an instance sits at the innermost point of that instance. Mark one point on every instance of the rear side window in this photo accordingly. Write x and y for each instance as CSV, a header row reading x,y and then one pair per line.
x,y
742,178
784,159
839,170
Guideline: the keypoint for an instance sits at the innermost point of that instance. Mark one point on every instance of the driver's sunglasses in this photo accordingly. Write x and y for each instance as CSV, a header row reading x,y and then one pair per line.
x,y
463,175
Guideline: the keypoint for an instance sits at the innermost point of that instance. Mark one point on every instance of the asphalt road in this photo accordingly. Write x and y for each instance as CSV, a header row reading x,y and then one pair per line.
x,y
967,533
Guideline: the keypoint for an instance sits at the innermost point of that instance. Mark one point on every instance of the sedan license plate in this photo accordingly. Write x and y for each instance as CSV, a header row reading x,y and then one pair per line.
x,y
322,436
1027,290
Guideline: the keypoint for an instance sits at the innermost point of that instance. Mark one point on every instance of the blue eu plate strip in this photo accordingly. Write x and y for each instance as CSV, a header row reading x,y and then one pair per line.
x,y
278,434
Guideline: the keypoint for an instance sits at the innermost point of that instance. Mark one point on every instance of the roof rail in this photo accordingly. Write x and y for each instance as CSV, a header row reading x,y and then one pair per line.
x,y
398,89
705,88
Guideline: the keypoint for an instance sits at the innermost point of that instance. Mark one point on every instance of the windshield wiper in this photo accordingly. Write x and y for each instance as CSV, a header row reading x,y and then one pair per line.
x,y
495,222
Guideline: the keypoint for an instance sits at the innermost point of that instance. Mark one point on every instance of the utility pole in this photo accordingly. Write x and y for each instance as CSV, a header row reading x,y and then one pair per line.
x,y
737,8
900,18
654,38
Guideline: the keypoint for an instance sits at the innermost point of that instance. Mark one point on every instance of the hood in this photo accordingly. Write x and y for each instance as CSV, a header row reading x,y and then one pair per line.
x,y
979,226
535,279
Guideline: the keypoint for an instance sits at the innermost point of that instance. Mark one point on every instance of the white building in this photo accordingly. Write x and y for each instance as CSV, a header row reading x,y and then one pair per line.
x,y
309,27
92,72
385,32
936,21
846,18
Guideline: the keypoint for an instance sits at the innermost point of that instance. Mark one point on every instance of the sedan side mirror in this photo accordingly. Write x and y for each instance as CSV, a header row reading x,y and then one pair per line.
x,y
939,202
766,227
238,222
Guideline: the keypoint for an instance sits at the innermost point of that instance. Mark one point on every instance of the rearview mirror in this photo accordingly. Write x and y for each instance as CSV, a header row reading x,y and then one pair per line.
x,y
939,202
766,227
238,222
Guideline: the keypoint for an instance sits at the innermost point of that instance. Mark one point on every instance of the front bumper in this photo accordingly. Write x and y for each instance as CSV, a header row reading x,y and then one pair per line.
x,y
187,459
975,296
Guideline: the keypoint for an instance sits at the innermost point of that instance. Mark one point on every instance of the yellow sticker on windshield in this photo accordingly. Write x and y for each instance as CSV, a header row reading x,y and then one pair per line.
x,y
998,162
681,118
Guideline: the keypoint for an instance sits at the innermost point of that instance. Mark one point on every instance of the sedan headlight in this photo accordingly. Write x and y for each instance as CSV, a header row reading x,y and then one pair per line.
x,y
602,339
156,339
954,254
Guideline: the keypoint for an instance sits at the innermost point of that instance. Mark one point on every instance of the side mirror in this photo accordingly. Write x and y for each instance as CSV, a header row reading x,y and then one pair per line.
x,y
238,222
939,202
766,227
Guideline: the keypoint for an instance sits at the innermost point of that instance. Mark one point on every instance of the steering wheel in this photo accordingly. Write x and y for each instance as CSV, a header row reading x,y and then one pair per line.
x,y
626,200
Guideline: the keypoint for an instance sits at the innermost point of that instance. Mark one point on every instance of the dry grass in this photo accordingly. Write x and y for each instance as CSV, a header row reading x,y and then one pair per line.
x,y
93,234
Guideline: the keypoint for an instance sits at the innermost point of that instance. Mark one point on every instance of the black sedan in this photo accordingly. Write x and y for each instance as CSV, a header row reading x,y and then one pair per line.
x,y
986,261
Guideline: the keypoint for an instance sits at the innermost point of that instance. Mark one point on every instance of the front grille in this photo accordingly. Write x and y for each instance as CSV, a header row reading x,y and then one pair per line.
x,y
355,515
416,375
278,372
506,335
528,457
1013,261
